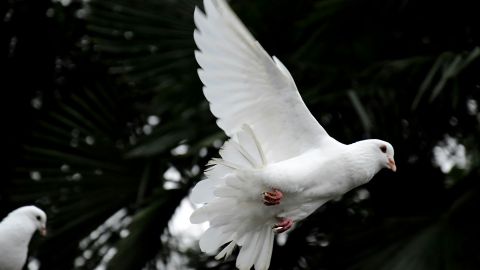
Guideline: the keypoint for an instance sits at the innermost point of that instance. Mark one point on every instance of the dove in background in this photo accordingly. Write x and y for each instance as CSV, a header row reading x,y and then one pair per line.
x,y
16,230
279,164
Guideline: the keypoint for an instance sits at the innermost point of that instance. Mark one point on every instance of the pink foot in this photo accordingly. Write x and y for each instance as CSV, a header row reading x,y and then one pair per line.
x,y
273,197
283,225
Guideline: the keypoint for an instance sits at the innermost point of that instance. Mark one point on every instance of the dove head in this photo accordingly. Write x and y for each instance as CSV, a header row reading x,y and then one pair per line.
x,y
383,151
378,151
33,214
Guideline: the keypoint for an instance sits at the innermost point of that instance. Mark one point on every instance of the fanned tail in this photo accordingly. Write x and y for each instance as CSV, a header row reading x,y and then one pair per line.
x,y
233,204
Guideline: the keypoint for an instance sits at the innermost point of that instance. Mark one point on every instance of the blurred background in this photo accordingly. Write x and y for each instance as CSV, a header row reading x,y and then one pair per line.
x,y
107,129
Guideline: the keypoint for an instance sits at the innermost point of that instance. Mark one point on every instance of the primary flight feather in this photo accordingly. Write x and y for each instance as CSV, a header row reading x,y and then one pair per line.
x,y
279,164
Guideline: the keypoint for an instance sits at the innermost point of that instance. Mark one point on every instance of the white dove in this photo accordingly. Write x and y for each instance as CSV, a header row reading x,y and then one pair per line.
x,y
279,164
16,230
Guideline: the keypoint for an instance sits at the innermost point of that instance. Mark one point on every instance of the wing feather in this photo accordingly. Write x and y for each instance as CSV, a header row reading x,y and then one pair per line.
x,y
245,85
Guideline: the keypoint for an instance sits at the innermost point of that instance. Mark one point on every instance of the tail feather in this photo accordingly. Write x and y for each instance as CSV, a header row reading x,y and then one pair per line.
x,y
227,192
233,206
246,256
265,255
239,153
227,251
211,210
203,191
213,239
217,170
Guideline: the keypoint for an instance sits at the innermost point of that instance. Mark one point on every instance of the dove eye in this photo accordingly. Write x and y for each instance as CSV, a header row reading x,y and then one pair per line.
x,y
38,218
383,148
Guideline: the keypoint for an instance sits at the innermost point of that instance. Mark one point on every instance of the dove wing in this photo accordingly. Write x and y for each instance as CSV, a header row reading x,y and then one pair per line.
x,y
244,85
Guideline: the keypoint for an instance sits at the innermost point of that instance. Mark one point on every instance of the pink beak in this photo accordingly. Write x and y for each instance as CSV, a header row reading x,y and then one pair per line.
x,y
43,231
391,164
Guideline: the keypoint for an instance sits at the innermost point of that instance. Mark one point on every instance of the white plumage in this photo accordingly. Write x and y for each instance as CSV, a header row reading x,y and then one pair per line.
x,y
244,85
16,230
275,144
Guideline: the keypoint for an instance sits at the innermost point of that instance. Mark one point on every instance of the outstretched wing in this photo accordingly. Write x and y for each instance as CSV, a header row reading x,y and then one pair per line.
x,y
244,85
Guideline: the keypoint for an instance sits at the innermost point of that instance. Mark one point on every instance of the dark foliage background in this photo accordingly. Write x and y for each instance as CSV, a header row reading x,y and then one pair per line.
x,y
97,93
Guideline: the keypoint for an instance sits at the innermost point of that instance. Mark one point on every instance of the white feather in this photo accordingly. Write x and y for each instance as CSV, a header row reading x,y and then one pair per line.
x,y
226,251
248,87
248,252
265,255
203,191
16,230
232,207
212,239
275,142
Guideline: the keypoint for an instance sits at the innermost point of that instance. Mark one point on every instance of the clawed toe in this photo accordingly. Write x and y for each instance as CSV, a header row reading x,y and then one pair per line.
x,y
272,197
284,225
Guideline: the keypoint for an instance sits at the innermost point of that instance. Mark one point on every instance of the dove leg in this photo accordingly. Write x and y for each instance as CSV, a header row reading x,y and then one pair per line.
x,y
283,225
272,197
